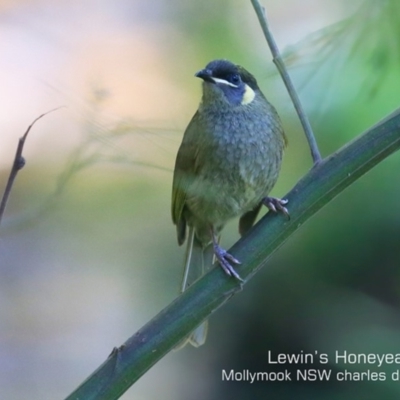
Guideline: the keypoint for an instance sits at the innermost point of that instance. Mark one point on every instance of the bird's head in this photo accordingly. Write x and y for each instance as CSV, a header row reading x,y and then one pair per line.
x,y
225,82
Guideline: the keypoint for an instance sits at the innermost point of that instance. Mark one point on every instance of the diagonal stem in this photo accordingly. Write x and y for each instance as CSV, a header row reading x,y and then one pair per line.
x,y
330,177
260,11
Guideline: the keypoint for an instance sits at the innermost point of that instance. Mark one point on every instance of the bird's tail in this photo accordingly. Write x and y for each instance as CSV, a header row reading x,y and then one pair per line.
x,y
197,258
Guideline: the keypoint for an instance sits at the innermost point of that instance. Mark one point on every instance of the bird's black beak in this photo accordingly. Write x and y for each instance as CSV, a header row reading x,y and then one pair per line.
x,y
206,75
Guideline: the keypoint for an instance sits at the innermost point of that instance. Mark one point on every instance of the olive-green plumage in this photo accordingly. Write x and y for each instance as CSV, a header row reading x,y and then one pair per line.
x,y
229,159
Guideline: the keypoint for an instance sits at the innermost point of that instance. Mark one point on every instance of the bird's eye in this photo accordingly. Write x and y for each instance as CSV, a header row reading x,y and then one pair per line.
x,y
234,78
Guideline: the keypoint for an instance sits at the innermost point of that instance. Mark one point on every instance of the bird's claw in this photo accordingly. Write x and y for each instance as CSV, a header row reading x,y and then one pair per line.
x,y
224,259
276,205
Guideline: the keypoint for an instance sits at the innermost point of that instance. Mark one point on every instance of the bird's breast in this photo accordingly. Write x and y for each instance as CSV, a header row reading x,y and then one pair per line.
x,y
238,163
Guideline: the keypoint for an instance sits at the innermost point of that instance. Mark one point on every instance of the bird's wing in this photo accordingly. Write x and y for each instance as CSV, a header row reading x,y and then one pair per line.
x,y
185,169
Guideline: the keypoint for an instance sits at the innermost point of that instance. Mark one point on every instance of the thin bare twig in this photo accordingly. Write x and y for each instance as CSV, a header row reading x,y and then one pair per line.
x,y
18,164
260,11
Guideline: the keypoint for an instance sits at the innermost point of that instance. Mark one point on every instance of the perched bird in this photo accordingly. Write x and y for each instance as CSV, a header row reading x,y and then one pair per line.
x,y
228,162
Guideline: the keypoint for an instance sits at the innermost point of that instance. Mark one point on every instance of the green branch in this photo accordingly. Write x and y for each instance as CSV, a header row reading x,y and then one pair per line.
x,y
326,180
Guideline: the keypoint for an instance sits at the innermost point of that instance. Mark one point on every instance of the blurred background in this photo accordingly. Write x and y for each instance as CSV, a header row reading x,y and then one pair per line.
x,y
88,252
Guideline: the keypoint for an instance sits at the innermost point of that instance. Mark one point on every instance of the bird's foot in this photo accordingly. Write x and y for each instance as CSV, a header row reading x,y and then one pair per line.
x,y
224,259
276,205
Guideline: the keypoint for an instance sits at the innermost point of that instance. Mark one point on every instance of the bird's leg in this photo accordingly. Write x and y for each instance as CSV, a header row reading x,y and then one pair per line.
x,y
276,205
224,258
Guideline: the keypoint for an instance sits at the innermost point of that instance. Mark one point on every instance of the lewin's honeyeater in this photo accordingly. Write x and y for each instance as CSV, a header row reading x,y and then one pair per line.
x,y
228,162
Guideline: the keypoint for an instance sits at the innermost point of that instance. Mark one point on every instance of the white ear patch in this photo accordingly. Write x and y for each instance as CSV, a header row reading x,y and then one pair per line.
x,y
248,95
